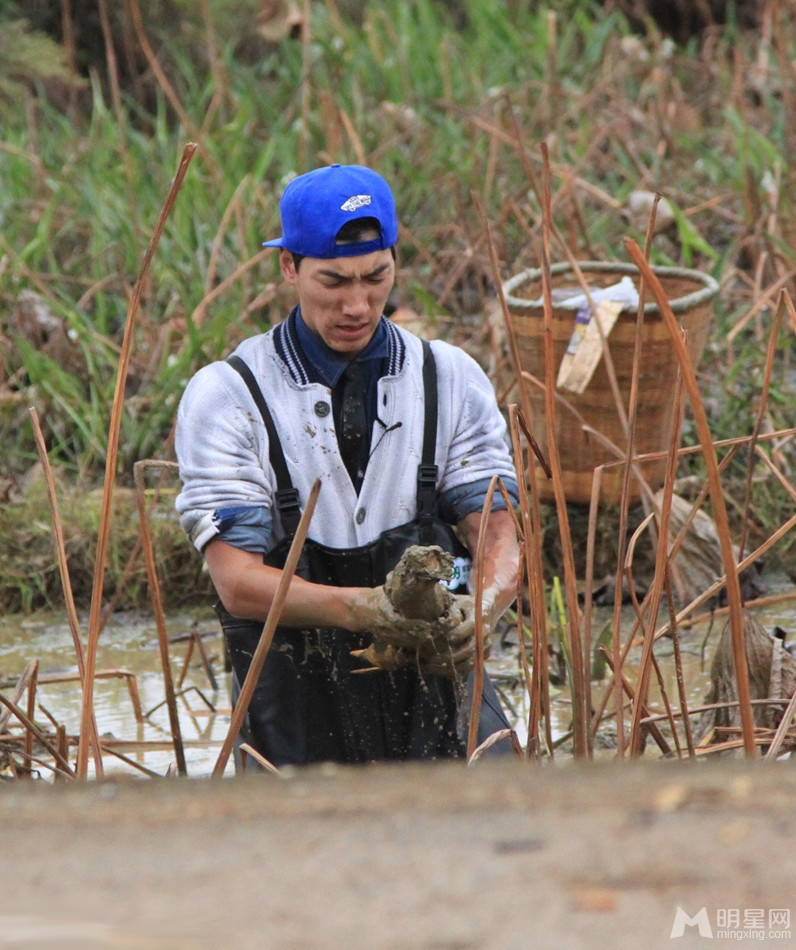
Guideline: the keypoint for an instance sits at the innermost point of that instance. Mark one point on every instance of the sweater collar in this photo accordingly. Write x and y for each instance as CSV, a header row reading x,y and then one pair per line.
x,y
328,364
309,360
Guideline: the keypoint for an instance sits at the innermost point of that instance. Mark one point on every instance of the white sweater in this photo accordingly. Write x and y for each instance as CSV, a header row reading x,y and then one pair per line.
x,y
222,445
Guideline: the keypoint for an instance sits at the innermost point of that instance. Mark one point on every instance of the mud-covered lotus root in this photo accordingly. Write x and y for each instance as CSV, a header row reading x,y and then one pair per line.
x,y
414,586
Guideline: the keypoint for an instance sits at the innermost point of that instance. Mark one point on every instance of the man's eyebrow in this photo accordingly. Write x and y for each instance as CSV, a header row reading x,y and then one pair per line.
x,y
377,271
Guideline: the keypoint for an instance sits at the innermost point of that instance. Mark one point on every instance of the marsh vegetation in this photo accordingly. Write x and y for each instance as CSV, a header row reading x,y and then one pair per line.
x,y
510,132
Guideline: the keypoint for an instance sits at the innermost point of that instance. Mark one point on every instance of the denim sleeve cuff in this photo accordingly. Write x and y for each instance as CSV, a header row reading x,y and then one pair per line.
x,y
455,503
247,528
199,527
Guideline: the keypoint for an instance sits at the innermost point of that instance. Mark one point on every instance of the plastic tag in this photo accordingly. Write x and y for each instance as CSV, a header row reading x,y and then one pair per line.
x,y
461,573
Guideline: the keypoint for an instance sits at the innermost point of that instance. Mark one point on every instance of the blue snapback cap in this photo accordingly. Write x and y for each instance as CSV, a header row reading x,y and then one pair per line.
x,y
315,206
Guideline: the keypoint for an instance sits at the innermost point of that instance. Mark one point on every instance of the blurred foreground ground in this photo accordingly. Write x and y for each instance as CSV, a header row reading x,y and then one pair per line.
x,y
427,857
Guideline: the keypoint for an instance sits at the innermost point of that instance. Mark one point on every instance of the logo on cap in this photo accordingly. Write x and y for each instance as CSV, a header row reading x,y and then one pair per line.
x,y
356,201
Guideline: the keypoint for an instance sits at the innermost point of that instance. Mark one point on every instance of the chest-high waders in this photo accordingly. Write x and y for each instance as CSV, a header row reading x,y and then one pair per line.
x,y
310,704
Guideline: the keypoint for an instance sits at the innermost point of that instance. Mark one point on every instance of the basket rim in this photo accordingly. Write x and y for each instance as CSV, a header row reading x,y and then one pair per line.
x,y
695,299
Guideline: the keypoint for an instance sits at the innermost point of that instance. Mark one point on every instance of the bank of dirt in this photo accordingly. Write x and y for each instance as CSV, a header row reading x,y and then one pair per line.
x,y
498,856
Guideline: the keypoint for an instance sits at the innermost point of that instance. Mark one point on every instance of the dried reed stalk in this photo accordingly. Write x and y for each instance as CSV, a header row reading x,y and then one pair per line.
x,y
782,730
70,50
157,71
246,749
666,704
66,583
761,414
760,739
111,604
625,492
531,534
60,761
531,521
493,739
716,495
680,541
776,472
549,228
653,598
642,610
724,704
110,466
200,310
678,667
19,688
757,602
760,303
306,85
684,614
62,744
195,642
579,708
118,111
478,575
654,732
480,657
591,536
509,324
31,706
216,67
250,683
734,443
721,582
157,604
638,622
150,773
600,437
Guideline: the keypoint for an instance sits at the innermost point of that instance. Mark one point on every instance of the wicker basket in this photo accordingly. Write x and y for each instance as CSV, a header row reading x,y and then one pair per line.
x,y
691,296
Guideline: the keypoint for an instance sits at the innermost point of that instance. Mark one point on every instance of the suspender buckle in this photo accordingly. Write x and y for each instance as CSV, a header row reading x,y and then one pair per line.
x,y
289,508
427,489
427,476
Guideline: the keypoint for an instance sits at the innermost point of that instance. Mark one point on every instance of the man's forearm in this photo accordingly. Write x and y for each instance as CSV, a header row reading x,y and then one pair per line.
x,y
501,557
247,588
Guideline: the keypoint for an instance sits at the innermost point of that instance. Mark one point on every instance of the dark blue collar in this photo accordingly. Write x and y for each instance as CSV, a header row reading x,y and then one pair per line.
x,y
309,360
329,364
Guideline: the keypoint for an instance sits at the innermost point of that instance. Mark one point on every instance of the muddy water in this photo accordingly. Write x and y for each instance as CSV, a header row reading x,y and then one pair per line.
x,y
697,643
129,645
696,672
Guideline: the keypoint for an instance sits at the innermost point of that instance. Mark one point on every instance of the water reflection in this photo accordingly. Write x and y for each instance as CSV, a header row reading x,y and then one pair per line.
x,y
128,645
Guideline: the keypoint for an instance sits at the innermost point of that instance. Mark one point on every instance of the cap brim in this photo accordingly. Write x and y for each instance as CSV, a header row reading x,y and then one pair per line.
x,y
277,242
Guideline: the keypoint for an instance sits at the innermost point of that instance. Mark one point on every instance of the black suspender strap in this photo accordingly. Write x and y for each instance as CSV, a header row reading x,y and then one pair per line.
x,y
427,470
287,497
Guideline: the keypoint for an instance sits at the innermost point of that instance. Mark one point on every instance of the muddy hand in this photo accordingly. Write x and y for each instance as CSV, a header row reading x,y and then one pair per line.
x,y
442,647
384,656
454,659
440,657
374,613
454,653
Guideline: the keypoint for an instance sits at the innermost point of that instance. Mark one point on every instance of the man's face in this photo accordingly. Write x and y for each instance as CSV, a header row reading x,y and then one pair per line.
x,y
342,299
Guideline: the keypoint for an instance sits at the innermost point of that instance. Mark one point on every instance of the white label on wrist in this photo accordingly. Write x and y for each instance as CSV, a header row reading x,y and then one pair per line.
x,y
461,572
